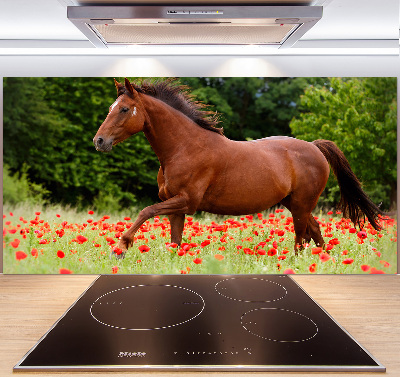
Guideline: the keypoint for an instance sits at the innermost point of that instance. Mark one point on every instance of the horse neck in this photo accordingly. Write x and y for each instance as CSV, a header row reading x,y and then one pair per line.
x,y
169,131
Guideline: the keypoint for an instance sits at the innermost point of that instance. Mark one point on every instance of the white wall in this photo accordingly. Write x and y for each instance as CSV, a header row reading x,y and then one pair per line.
x,y
284,66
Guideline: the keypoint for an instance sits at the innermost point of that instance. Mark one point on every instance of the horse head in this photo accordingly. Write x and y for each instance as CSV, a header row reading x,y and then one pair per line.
x,y
126,117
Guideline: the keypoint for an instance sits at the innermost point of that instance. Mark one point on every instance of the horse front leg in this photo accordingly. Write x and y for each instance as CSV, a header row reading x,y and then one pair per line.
x,y
177,205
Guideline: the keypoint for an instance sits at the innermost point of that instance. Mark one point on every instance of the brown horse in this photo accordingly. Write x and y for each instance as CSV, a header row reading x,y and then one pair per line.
x,y
202,170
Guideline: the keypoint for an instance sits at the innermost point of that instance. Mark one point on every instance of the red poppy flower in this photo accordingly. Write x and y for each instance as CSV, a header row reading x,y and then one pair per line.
x,y
288,271
365,267
385,264
218,257
198,260
117,250
324,257
114,269
34,253
373,270
185,246
334,241
15,243
362,234
144,248
19,255
312,268
248,251
348,261
220,228
110,241
65,271
60,232
90,212
60,254
261,252
205,243
81,239
316,250
272,252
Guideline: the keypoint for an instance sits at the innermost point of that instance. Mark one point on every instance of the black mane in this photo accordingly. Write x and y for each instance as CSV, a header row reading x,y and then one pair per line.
x,y
178,96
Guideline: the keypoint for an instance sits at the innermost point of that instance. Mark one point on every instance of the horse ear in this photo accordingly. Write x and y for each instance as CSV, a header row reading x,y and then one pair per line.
x,y
118,86
130,88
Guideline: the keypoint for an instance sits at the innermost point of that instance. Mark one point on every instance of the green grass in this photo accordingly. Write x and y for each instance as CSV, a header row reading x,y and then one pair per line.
x,y
48,243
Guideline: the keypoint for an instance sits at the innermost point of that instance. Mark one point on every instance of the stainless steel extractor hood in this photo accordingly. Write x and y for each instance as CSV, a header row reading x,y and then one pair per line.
x,y
113,26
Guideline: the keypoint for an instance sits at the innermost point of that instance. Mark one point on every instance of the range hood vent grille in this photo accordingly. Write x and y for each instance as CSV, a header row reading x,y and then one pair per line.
x,y
200,33
111,26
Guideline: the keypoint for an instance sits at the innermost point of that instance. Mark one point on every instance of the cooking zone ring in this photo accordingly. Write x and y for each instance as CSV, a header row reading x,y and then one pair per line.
x,y
266,323
192,305
247,285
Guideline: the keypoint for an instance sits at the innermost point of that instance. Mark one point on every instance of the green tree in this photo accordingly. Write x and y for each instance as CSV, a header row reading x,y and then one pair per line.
x,y
29,121
359,115
253,107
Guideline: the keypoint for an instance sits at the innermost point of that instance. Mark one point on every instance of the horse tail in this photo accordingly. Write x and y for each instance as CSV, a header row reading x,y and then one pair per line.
x,y
354,202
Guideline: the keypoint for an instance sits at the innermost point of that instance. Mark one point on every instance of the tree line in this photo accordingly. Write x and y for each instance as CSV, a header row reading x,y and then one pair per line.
x,y
49,124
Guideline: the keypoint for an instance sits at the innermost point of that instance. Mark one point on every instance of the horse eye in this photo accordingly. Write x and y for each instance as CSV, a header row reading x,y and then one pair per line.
x,y
124,110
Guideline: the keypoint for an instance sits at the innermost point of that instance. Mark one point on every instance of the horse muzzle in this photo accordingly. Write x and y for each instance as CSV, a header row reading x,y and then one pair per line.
x,y
102,145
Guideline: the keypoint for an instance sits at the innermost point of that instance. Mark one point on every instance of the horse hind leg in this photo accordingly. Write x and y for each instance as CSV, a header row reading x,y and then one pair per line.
x,y
300,221
305,226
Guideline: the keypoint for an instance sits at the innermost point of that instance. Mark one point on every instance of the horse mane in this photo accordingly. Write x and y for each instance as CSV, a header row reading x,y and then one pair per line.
x,y
176,95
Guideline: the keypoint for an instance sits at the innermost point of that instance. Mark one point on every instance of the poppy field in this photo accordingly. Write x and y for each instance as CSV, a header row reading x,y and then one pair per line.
x,y
61,241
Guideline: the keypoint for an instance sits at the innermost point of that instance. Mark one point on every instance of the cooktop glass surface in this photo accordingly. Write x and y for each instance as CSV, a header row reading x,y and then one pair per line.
x,y
197,322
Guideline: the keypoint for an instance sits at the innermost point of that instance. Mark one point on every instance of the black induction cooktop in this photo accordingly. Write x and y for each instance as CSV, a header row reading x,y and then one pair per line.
x,y
196,322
